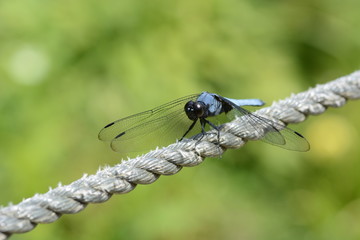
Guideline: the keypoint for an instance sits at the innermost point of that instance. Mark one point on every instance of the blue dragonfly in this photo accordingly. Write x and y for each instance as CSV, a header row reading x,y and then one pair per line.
x,y
192,115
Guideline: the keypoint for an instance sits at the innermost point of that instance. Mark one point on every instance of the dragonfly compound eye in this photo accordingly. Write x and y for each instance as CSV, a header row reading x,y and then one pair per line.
x,y
190,110
199,109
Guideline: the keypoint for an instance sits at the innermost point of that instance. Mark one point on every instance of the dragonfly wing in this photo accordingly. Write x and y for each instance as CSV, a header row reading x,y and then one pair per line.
x,y
111,130
116,128
270,131
293,140
154,133
151,128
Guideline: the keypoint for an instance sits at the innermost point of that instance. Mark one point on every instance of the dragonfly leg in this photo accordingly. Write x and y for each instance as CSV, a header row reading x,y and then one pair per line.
x,y
214,127
191,127
202,123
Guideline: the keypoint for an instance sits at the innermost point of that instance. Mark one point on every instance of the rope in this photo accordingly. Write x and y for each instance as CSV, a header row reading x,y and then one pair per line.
x,y
146,169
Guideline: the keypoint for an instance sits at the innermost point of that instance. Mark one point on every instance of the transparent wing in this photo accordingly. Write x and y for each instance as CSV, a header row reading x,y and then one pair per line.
x,y
271,132
151,128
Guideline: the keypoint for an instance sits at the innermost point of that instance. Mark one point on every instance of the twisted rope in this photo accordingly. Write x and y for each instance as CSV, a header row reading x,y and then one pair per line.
x,y
145,169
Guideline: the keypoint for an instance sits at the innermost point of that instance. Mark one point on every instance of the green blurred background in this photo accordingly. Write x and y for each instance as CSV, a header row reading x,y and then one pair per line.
x,y
67,68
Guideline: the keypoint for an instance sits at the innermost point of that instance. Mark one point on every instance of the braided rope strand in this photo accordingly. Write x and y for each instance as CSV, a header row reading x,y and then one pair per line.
x,y
146,169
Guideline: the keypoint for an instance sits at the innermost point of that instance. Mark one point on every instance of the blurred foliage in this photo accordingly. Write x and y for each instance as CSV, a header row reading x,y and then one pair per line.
x,y
69,67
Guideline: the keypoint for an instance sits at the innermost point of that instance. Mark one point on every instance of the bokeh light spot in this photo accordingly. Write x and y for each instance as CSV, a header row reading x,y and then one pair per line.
x,y
28,65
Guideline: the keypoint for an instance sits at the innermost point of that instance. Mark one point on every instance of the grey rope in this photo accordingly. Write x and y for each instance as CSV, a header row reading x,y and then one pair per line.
x,y
145,169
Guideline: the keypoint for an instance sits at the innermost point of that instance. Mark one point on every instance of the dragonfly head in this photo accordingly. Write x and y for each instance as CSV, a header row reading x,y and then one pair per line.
x,y
195,110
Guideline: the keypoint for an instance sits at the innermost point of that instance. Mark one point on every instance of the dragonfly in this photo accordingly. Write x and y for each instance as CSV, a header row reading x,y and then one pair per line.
x,y
193,115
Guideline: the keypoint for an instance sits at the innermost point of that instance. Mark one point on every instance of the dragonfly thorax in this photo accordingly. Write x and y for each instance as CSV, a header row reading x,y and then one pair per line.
x,y
195,110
